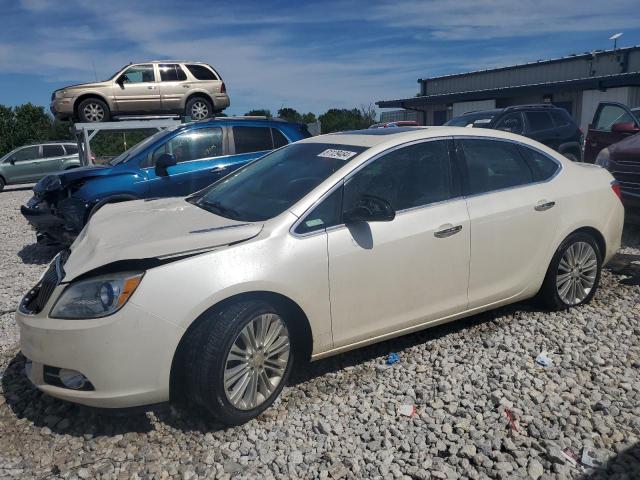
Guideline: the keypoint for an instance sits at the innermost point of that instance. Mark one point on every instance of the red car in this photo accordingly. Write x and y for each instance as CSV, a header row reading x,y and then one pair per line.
x,y
612,122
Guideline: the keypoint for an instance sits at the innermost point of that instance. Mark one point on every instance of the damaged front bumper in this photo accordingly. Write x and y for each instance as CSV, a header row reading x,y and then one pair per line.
x,y
59,223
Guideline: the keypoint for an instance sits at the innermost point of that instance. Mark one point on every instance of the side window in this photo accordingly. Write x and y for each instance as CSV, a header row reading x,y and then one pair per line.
x,y
171,73
408,177
279,140
560,117
201,72
511,122
71,149
49,151
192,145
494,165
327,214
252,139
26,154
610,115
538,121
543,167
139,74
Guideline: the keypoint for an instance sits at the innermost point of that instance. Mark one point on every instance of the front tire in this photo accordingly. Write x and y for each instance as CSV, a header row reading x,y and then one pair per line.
x,y
2,184
93,110
198,108
238,360
574,273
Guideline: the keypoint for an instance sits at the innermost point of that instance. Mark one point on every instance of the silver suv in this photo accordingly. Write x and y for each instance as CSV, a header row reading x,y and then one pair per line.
x,y
32,162
193,89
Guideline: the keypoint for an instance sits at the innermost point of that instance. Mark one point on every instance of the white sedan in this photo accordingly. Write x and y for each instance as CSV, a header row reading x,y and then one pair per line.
x,y
322,246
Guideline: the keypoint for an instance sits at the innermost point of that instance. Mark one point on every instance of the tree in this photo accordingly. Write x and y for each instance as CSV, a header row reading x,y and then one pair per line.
x,y
309,117
340,119
290,115
258,113
32,124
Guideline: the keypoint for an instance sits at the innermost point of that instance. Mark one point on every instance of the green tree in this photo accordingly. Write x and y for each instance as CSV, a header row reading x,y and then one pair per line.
x,y
290,115
32,124
340,119
309,117
258,113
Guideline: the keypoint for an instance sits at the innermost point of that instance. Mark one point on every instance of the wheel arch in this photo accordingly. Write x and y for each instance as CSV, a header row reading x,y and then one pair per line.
x,y
597,236
302,331
199,93
85,96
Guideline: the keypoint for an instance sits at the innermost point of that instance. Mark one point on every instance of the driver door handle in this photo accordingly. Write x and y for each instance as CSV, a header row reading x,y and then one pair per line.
x,y
151,87
542,206
447,231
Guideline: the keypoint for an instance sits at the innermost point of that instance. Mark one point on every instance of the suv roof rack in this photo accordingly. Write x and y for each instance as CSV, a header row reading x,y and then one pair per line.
x,y
532,105
251,117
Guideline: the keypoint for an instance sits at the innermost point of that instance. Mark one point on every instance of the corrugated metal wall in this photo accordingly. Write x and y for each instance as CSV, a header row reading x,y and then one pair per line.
x,y
604,63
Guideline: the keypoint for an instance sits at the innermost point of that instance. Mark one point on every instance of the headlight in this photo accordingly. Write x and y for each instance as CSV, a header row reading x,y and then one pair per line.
x,y
61,93
603,158
96,297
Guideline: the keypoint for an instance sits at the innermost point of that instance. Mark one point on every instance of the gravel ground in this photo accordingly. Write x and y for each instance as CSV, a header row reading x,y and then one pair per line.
x,y
340,417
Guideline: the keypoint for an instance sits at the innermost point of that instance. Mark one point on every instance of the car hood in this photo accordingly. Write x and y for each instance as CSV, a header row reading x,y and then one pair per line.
x,y
627,149
60,180
151,229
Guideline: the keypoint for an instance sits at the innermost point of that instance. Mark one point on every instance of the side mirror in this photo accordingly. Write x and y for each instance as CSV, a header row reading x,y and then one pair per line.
x,y
122,79
624,127
163,162
12,161
370,209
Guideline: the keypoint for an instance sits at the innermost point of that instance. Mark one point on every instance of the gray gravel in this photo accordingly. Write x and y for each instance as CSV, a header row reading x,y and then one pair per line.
x,y
339,418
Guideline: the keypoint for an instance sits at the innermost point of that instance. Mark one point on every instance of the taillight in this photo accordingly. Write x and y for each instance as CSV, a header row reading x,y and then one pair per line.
x,y
223,88
615,186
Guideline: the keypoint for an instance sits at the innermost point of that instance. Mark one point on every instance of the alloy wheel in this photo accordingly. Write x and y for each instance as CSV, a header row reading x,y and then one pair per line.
x,y
199,110
577,273
93,112
257,361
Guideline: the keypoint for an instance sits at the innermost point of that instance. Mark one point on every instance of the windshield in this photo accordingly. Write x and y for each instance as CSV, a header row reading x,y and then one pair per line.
x,y
133,151
115,74
480,119
267,187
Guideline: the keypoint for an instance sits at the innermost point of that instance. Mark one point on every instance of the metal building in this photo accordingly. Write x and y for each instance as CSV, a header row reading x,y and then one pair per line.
x,y
576,82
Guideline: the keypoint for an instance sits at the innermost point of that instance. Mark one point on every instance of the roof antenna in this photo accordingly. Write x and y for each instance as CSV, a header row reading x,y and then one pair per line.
x,y
615,38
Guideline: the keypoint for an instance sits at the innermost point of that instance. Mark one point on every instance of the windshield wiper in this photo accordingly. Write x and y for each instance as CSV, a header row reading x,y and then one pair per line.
x,y
217,207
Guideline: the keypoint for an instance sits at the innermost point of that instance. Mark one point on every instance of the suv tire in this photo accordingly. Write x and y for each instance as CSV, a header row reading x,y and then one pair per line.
x,y
2,184
574,273
238,359
93,110
198,108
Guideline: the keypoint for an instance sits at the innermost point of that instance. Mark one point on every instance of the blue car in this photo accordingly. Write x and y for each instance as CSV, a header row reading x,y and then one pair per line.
x,y
175,162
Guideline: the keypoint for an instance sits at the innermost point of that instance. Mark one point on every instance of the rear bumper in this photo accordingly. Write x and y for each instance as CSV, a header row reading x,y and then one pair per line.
x,y
221,101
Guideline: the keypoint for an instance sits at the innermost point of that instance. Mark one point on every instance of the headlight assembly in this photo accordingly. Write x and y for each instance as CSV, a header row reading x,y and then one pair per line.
x,y
96,297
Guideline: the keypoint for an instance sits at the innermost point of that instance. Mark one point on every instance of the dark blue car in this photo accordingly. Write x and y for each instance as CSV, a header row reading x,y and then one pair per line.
x,y
175,162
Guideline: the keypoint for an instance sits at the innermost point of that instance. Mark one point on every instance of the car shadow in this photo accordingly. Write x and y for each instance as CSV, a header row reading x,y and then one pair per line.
x,y
36,254
628,265
626,464
12,188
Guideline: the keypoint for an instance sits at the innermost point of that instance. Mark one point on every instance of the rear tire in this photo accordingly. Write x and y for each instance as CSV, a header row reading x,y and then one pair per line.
x,y
93,110
573,274
238,360
198,108
2,184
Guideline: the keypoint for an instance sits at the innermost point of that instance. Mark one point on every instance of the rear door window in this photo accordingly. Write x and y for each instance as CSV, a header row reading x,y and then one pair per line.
x,y
252,139
71,149
49,151
171,72
493,165
538,121
542,167
201,72
561,118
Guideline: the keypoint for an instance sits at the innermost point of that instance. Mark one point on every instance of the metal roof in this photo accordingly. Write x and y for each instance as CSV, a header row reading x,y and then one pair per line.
x,y
573,56
605,81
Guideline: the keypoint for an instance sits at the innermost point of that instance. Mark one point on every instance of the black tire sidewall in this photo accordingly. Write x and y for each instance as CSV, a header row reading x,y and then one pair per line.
x,y
107,112
216,343
2,184
194,100
550,290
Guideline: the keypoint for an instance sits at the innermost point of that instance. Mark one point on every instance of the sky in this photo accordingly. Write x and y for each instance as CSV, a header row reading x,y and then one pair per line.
x,y
310,56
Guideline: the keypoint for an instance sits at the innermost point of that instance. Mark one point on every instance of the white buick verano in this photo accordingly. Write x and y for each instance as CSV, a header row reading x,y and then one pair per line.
x,y
322,246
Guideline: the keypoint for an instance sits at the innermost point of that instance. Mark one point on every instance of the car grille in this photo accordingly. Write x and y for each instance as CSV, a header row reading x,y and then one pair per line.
x,y
36,299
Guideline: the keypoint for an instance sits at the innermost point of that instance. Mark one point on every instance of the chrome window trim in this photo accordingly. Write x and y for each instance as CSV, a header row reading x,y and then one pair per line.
x,y
348,176
515,142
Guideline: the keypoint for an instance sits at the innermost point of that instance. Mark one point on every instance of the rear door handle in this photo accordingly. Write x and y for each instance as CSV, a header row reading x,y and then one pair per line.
x,y
542,206
448,231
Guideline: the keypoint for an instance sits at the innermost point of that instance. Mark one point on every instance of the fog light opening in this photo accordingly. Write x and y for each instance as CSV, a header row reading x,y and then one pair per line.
x,y
72,379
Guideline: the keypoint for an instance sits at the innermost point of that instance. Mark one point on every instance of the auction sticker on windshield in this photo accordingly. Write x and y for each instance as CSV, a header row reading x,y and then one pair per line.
x,y
338,154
